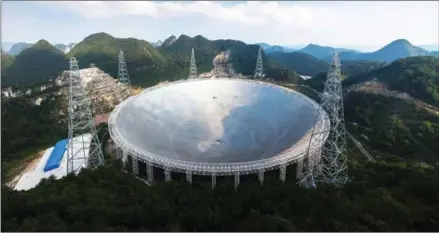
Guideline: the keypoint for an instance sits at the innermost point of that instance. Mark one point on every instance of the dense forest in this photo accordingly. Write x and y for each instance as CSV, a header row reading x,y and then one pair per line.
x,y
31,65
398,193
147,65
28,128
394,126
416,76
302,63
394,195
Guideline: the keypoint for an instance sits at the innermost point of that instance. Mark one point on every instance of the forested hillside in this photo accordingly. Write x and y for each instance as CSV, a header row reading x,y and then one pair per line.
x,y
397,193
243,55
28,128
417,76
18,48
395,50
322,52
302,63
7,61
144,62
394,126
348,69
381,197
36,64
147,65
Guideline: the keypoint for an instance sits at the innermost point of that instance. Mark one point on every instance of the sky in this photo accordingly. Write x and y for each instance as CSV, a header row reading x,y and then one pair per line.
x,y
360,25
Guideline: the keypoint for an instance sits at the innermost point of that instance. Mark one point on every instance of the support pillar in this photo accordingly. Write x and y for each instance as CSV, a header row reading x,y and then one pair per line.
x,y
261,176
236,179
134,165
213,181
150,172
283,172
124,157
189,177
119,153
167,175
299,169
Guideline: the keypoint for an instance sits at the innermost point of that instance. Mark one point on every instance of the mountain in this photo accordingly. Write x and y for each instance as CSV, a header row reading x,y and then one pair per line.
x,y
434,53
156,44
349,68
243,56
65,48
322,52
397,49
6,62
416,76
18,48
430,47
274,48
6,46
145,63
61,47
169,41
395,193
36,64
302,63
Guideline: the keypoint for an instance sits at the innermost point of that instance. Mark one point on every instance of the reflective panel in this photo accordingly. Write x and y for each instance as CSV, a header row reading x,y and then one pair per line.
x,y
216,121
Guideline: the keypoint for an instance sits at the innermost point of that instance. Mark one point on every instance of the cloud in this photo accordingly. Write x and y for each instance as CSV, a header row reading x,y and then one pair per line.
x,y
373,23
247,14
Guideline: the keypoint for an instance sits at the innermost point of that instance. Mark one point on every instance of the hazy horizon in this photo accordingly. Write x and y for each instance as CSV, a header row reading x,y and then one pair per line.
x,y
336,24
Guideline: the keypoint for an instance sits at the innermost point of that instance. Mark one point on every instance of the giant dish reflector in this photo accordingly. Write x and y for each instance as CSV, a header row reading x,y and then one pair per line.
x,y
216,125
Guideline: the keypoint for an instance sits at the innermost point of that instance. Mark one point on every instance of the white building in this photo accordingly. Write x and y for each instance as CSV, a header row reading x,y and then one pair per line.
x,y
32,178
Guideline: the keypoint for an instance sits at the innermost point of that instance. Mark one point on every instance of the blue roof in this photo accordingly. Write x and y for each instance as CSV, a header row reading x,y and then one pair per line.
x,y
56,156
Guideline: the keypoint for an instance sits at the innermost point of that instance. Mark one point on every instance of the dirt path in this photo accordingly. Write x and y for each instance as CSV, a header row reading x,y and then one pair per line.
x,y
26,165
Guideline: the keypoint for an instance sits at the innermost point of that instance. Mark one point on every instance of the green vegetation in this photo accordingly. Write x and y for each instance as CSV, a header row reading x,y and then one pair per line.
x,y
394,125
243,56
147,65
398,193
6,63
302,63
322,52
348,69
18,48
381,197
395,50
36,64
417,76
353,68
283,75
28,128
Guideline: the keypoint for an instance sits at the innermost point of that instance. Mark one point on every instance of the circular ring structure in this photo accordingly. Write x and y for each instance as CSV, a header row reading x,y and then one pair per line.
x,y
220,126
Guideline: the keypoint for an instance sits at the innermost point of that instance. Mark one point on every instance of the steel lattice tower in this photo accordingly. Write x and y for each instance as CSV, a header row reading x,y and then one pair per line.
x,y
81,122
259,71
334,168
328,164
123,79
193,66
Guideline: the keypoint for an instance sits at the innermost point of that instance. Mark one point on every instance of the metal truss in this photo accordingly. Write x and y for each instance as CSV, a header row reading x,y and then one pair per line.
x,y
123,79
259,71
330,163
193,66
81,123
